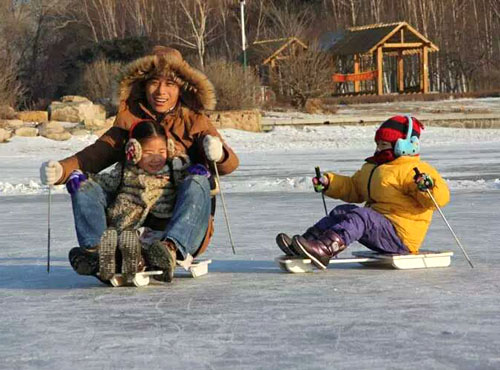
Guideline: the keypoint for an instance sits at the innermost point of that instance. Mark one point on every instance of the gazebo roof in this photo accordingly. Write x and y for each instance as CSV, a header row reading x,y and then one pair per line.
x,y
366,39
262,52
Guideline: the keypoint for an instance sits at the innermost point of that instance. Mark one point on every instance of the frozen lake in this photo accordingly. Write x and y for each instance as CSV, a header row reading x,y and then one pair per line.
x,y
247,314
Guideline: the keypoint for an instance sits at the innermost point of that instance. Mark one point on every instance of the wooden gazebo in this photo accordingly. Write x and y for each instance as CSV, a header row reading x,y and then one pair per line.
x,y
371,43
265,55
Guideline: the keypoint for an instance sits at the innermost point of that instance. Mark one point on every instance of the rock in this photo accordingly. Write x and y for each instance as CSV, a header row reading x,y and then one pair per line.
x,y
58,136
74,99
7,112
247,120
50,128
76,110
96,124
110,121
4,135
79,132
69,125
33,116
11,123
27,131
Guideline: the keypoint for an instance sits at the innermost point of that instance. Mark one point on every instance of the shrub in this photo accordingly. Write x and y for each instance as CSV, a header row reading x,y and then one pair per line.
x,y
11,90
235,88
100,80
306,75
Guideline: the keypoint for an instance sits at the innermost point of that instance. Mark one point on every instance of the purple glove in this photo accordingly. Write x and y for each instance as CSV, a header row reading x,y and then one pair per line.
x,y
74,181
199,169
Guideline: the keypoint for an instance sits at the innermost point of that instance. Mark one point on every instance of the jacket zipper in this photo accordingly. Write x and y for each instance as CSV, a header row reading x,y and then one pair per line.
x,y
370,199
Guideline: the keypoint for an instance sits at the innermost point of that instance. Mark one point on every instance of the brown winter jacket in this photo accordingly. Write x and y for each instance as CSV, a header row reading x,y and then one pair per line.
x,y
185,125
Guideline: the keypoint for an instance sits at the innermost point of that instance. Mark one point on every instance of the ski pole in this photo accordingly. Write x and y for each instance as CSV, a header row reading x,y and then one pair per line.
x,y
224,207
417,173
48,229
318,175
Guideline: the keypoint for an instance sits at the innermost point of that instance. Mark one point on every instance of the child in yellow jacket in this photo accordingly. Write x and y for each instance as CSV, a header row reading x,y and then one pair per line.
x,y
397,210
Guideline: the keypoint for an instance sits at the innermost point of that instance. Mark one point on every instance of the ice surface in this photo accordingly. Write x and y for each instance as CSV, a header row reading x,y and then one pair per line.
x,y
247,314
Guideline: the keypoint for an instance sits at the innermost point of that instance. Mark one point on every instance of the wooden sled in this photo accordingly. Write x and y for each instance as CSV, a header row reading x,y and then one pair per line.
x,y
425,259
196,268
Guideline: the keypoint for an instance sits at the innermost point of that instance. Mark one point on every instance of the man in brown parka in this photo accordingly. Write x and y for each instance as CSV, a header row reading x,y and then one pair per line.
x,y
163,87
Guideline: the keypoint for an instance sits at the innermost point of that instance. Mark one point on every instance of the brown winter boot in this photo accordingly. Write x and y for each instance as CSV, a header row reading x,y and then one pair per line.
x,y
162,255
130,247
320,250
284,242
107,254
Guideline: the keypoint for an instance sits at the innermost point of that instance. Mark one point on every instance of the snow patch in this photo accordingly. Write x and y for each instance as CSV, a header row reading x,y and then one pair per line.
x,y
32,187
300,184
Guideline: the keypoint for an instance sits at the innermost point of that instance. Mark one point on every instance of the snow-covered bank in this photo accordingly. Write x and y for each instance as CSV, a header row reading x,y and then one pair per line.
x,y
346,137
285,157
295,184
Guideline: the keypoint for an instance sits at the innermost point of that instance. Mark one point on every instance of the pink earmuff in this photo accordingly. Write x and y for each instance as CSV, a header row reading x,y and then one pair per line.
x,y
133,149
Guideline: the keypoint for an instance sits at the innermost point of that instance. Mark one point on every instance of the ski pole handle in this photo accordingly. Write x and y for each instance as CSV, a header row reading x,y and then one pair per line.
x,y
318,175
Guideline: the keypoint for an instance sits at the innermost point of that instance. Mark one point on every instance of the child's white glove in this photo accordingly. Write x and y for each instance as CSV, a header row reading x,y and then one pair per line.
x,y
213,148
50,172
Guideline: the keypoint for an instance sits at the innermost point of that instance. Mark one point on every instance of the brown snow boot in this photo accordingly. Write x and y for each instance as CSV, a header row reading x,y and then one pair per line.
x,y
162,255
130,247
85,261
107,254
284,242
320,250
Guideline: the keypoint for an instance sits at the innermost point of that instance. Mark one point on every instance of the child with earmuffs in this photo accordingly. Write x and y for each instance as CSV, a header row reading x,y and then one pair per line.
x,y
145,183
397,208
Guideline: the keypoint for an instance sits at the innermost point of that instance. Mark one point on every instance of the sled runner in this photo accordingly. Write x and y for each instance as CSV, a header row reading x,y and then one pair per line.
x,y
425,259
196,268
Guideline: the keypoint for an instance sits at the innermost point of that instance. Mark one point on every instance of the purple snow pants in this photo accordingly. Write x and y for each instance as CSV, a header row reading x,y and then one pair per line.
x,y
368,227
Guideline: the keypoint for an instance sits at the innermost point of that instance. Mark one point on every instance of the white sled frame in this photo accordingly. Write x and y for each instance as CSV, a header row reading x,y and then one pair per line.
x,y
196,268
425,259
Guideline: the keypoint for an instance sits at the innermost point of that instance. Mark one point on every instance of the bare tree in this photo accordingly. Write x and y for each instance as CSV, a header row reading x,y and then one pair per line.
x,y
194,26
286,20
307,75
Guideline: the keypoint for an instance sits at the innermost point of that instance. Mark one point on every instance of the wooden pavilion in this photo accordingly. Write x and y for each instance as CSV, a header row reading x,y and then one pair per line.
x,y
265,55
367,46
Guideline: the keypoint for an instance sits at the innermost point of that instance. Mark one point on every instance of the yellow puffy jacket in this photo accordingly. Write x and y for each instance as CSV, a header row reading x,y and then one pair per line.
x,y
390,190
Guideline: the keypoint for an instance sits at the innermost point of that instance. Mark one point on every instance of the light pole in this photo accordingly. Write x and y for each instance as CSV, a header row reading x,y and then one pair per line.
x,y
243,36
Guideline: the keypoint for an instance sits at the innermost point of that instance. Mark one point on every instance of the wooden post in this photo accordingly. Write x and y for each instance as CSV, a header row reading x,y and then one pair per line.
x,y
401,79
425,70
380,72
334,63
356,70
272,72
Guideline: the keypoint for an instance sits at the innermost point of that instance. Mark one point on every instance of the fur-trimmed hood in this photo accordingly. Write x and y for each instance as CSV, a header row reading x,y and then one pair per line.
x,y
196,91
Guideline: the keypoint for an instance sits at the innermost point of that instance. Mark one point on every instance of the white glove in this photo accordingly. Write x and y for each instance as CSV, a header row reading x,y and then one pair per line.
x,y
50,172
213,148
